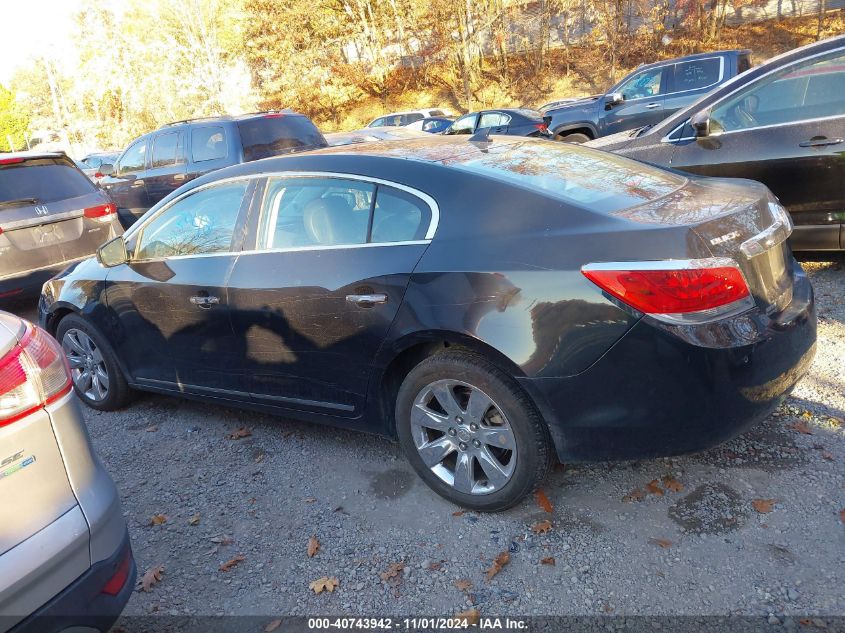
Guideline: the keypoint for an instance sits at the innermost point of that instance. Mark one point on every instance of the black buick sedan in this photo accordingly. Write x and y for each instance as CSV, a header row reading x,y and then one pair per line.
x,y
493,305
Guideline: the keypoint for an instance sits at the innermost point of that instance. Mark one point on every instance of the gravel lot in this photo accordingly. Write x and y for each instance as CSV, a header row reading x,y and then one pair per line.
x,y
702,549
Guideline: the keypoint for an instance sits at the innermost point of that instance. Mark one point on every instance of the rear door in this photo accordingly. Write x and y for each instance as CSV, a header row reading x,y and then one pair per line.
x,y
42,214
169,300
787,130
314,299
687,81
210,147
168,167
643,104
496,121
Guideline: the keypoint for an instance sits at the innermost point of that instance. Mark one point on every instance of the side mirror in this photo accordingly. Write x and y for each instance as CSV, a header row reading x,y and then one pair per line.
x,y
113,252
700,122
615,98
106,169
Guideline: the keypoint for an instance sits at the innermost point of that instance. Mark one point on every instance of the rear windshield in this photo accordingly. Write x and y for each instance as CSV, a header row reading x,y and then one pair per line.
x,y
530,114
577,175
271,135
43,179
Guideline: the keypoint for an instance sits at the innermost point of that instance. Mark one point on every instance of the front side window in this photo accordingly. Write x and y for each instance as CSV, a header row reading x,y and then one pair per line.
x,y
809,90
696,74
93,162
134,159
167,150
208,143
301,212
464,125
644,84
202,222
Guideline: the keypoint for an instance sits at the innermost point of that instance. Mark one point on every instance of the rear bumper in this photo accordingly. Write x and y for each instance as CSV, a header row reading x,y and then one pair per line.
x,y
657,393
83,604
27,281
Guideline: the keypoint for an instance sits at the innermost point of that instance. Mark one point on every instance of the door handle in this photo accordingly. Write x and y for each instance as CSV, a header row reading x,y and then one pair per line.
x,y
652,106
137,183
179,177
205,302
821,141
366,301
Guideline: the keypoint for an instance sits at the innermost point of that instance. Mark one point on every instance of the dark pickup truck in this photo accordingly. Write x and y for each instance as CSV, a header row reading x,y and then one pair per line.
x,y
646,96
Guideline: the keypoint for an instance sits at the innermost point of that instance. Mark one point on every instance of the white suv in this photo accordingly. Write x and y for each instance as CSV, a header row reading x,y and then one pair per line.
x,y
404,118
65,558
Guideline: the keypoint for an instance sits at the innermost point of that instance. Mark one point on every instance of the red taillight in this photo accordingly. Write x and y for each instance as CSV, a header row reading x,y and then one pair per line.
x,y
34,373
542,127
101,211
274,115
11,161
98,175
118,580
671,288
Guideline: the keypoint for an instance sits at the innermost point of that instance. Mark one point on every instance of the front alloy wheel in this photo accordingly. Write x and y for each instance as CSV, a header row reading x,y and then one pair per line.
x,y
87,365
463,437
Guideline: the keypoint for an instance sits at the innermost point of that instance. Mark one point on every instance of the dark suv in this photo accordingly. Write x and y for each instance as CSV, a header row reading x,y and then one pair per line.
x,y
162,161
646,96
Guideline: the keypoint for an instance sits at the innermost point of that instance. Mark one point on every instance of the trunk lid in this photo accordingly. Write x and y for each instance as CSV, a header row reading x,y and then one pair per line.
x,y
34,487
738,219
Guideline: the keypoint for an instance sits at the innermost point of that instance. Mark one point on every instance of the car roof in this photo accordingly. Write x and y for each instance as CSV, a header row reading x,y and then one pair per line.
x,y
32,154
693,57
232,118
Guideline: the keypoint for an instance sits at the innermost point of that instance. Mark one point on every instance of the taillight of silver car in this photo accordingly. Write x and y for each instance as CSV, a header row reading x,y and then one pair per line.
x,y
33,374
102,212
676,291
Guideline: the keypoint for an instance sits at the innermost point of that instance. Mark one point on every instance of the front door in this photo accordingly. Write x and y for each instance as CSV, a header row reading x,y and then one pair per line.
x,y
169,300
786,130
127,186
642,105
314,300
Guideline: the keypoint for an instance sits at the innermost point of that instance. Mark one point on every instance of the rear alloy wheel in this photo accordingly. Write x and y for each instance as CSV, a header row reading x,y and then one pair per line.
x,y
572,138
470,432
97,378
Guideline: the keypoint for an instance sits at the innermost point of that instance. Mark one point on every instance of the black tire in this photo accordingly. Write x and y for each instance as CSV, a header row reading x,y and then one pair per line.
x,y
577,137
119,393
534,450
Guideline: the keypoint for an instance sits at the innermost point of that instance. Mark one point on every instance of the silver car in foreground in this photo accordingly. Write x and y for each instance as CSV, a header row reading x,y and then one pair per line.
x,y
65,558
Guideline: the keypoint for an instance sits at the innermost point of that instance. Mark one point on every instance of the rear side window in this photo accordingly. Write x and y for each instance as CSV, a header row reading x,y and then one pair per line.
x,y
696,74
208,143
278,134
167,149
577,175
44,180
398,216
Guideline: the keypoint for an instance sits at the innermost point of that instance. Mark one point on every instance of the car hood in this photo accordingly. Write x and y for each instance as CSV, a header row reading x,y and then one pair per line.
x,y
613,142
574,103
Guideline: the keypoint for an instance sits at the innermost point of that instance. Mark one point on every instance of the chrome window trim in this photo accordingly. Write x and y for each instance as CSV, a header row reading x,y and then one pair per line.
x,y
431,202
666,138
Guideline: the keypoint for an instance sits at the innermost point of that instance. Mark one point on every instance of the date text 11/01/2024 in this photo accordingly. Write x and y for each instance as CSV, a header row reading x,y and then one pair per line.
x,y
463,621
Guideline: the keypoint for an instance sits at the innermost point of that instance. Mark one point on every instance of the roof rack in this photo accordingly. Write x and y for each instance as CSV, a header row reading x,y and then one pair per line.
x,y
202,118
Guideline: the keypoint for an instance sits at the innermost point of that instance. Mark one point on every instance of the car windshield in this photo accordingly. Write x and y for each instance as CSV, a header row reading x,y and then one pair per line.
x,y
43,180
578,175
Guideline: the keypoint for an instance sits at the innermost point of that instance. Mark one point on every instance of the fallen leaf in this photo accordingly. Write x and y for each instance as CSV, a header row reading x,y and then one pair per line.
x,y
258,459
763,506
543,501
152,429
272,626
835,422
436,565
458,513
635,495
310,500
463,584
550,560
241,432
394,570
472,616
232,563
654,488
801,426
672,484
313,546
662,542
542,527
151,577
500,561
807,415
222,540
158,519
194,520
323,584
827,455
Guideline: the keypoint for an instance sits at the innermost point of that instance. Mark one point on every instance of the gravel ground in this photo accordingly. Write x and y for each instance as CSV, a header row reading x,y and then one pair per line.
x,y
695,544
